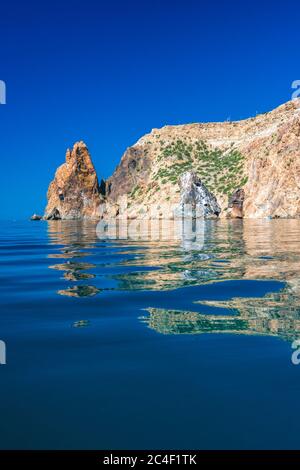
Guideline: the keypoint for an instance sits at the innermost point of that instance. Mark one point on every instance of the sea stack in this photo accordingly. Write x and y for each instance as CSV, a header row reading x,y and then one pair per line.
x,y
75,192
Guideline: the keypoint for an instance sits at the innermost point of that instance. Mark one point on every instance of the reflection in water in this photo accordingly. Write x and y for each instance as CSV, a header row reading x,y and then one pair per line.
x,y
72,267
74,237
179,322
274,314
81,324
73,271
79,291
77,275
217,251
68,254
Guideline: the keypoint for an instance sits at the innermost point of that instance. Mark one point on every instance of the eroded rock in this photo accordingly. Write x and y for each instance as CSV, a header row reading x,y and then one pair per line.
x,y
74,193
196,200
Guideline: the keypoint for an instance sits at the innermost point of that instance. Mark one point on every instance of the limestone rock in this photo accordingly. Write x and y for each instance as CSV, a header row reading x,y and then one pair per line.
x,y
74,193
195,199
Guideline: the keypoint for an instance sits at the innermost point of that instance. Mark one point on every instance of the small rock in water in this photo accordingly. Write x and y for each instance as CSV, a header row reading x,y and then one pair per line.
x,y
36,217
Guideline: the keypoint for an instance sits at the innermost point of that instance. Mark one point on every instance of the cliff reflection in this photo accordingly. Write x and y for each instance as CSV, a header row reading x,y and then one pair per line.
x,y
243,250
213,251
274,314
236,249
74,238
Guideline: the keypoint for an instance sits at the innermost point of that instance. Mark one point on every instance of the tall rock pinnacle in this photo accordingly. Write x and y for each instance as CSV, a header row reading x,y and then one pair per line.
x,y
74,193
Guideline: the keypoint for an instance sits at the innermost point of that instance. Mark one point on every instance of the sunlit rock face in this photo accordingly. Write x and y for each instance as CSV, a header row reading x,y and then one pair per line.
x,y
251,167
273,166
195,199
259,156
74,193
133,171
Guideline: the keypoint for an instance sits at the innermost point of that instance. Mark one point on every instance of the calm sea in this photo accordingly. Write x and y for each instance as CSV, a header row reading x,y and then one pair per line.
x,y
179,342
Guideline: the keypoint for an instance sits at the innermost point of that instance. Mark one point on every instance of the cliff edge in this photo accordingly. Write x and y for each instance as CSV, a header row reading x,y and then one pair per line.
x,y
250,167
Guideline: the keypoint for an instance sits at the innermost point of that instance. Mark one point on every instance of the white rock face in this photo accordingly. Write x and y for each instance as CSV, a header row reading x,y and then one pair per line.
x,y
196,200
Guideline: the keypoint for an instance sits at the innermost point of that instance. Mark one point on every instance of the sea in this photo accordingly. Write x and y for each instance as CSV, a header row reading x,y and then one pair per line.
x,y
150,338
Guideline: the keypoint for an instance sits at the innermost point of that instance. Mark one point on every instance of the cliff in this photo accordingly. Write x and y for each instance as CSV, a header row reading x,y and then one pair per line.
x,y
250,168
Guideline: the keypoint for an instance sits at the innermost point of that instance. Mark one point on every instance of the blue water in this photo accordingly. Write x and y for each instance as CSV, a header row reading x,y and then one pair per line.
x,y
150,344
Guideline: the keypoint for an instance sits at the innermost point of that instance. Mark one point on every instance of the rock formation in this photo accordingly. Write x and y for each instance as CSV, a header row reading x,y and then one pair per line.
x,y
196,200
250,167
74,193
36,217
236,203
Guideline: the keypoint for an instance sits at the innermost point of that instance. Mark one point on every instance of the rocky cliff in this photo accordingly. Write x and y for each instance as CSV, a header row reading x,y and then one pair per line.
x,y
250,168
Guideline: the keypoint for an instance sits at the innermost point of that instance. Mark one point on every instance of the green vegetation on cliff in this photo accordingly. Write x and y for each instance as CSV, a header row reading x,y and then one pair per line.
x,y
221,170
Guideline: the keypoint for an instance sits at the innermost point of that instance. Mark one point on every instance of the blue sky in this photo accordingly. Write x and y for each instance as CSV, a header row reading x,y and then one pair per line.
x,y
109,72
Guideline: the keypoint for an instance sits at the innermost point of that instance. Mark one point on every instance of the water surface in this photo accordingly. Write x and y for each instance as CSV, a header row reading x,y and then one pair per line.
x,y
165,343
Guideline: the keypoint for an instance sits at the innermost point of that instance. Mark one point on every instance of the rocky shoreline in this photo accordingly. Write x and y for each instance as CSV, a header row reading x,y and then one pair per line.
x,y
243,169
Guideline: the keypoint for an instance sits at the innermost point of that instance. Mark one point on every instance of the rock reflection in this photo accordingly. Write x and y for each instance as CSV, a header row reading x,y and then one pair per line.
x,y
233,249
251,250
69,254
77,276
215,251
81,324
74,237
71,266
274,314
180,322
79,291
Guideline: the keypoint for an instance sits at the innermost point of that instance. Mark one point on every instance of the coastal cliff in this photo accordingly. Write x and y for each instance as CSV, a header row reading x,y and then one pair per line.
x,y
249,168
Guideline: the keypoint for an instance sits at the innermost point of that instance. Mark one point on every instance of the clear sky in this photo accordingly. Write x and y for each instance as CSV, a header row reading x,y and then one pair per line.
x,y
107,72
